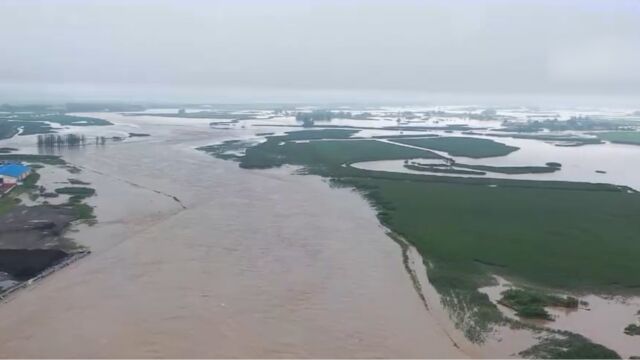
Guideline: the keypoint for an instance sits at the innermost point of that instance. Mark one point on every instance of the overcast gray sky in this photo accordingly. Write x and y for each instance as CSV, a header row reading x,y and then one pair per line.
x,y
277,46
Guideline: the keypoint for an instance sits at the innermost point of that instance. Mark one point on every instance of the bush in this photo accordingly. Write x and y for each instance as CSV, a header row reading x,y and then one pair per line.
x,y
632,329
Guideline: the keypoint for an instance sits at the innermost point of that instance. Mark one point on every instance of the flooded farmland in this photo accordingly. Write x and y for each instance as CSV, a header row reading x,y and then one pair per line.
x,y
256,264
195,257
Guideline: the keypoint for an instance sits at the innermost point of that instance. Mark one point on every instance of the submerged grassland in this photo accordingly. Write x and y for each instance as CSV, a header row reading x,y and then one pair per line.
x,y
565,236
621,137
462,146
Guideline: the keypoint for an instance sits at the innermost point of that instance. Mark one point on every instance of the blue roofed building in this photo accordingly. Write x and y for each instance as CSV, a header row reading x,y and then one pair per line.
x,y
11,173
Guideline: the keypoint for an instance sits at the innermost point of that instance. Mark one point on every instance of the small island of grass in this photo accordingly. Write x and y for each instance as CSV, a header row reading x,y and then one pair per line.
x,y
78,193
621,137
511,170
7,150
131,134
462,146
632,330
442,169
531,304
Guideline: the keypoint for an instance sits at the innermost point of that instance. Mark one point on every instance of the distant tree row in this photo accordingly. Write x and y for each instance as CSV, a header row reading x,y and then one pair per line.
x,y
308,118
52,140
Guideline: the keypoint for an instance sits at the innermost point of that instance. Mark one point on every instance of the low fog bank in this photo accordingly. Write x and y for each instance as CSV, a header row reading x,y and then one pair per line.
x,y
56,94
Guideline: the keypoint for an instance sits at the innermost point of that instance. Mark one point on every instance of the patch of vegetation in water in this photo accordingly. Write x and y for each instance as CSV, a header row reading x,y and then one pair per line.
x,y
568,346
32,127
138,134
531,304
7,129
38,123
80,192
71,120
72,169
462,146
6,150
447,128
632,329
227,150
324,134
576,123
77,182
333,151
81,210
402,136
621,137
568,140
442,170
30,181
327,154
511,170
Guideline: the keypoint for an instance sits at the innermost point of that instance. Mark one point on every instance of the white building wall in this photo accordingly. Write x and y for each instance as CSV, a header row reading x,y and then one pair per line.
x,y
9,179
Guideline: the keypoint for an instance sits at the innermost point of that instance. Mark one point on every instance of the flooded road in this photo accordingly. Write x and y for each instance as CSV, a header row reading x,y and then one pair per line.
x,y
194,257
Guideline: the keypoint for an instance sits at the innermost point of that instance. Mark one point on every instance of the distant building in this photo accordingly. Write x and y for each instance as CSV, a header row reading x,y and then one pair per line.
x,y
11,173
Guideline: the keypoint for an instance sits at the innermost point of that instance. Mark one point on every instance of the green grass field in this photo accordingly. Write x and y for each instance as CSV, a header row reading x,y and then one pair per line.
x,y
462,146
531,304
76,190
7,129
621,137
38,123
324,154
581,240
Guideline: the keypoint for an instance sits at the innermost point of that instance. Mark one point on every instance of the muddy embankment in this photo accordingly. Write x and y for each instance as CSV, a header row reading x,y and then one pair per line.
x,y
24,264
32,241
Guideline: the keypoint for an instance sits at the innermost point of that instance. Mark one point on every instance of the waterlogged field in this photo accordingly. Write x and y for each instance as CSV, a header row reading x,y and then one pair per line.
x,y
561,238
42,123
462,146
554,236
621,137
550,207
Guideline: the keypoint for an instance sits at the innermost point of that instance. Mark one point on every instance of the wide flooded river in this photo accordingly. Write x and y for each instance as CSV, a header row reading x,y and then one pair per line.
x,y
239,264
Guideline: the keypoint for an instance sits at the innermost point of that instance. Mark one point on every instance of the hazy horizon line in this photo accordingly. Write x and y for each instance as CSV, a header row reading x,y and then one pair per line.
x,y
43,93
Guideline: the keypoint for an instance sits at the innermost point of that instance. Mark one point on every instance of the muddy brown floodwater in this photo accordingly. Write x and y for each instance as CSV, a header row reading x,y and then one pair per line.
x,y
239,264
